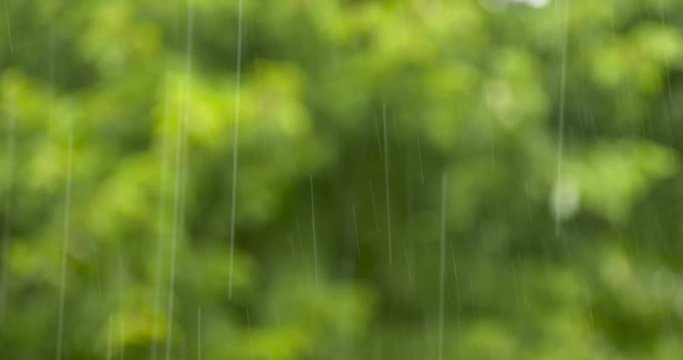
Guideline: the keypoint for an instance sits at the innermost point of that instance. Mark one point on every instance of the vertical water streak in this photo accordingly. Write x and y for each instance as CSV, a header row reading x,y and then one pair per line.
x,y
9,28
442,260
161,218
235,147
7,210
199,333
180,144
65,242
386,183
560,125
315,237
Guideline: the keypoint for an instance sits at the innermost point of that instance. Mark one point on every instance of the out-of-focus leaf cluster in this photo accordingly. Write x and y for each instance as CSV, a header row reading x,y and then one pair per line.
x,y
556,125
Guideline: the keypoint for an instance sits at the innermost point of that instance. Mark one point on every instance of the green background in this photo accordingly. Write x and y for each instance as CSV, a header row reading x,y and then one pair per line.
x,y
555,129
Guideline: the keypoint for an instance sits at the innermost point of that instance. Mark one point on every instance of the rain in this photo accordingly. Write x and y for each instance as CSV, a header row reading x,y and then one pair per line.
x,y
473,179
180,177
65,242
235,144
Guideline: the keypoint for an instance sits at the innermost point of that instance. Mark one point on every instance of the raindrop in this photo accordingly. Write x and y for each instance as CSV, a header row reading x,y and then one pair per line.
x,y
235,147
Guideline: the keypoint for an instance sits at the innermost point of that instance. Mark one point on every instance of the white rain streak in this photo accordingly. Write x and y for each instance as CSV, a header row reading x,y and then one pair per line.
x,y
667,70
121,292
298,239
355,228
51,70
668,113
65,240
109,340
199,333
379,141
315,237
458,296
419,159
560,125
178,204
386,183
251,344
162,227
374,206
442,260
235,147
9,28
98,272
7,218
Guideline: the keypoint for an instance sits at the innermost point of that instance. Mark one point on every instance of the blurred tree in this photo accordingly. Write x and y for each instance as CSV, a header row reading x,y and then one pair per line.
x,y
555,122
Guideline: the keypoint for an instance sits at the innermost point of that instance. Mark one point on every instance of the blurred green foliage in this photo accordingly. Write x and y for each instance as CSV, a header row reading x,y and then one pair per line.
x,y
558,127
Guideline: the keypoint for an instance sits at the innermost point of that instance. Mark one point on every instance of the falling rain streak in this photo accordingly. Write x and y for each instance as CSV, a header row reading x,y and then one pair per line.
x,y
315,236
235,147
442,260
560,125
7,219
121,298
199,333
110,340
386,183
161,223
9,27
180,169
65,239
